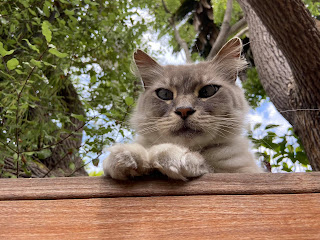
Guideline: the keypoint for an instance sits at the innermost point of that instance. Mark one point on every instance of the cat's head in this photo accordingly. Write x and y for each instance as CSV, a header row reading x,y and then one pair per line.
x,y
191,104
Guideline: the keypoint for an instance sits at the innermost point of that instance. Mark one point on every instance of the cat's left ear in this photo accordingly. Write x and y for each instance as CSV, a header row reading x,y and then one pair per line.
x,y
148,69
229,59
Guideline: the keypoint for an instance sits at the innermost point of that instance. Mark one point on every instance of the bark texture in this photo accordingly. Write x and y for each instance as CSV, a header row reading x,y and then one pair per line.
x,y
286,48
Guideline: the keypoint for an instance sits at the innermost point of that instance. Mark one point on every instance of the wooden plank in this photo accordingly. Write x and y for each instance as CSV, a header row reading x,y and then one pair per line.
x,y
94,187
274,216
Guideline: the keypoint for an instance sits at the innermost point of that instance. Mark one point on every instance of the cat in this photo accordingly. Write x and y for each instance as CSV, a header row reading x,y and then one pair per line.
x,y
189,120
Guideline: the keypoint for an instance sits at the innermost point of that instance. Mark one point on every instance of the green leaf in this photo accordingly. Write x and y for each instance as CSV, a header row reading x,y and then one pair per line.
x,y
72,166
95,162
302,158
257,126
95,174
129,101
33,47
48,64
12,63
44,153
290,148
20,72
57,53
24,3
29,153
93,79
68,12
46,8
272,126
32,12
79,117
27,171
46,31
286,168
36,63
4,52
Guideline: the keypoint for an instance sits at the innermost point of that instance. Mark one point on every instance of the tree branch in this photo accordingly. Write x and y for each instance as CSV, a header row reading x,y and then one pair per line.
x,y
243,31
165,7
181,42
7,145
224,32
17,111
237,26
63,139
177,36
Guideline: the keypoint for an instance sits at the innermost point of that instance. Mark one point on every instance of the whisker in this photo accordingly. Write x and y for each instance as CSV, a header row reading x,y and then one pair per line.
x,y
219,133
224,130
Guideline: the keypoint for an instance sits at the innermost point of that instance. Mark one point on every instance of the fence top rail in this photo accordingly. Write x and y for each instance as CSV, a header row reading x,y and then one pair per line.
x,y
209,184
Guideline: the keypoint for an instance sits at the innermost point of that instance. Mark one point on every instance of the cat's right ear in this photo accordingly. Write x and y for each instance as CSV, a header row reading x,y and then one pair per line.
x,y
148,69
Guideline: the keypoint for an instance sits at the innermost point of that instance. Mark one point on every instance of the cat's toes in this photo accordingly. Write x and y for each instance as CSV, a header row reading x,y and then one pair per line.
x,y
122,165
123,162
195,165
169,170
177,163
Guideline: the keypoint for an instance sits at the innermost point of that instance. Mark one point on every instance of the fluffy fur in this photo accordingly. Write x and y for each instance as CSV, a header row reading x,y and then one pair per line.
x,y
209,140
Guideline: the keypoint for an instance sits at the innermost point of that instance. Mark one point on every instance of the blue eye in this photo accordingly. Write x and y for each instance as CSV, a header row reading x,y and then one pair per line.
x,y
164,94
208,91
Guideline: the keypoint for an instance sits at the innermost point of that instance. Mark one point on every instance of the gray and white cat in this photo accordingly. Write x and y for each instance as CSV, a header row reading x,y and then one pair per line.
x,y
189,120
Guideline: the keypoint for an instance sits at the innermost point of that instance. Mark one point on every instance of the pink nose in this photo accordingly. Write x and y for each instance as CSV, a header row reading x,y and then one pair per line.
x,y
184,112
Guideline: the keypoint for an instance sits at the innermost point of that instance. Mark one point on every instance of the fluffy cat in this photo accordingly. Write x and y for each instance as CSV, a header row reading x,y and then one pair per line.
x,y
189,120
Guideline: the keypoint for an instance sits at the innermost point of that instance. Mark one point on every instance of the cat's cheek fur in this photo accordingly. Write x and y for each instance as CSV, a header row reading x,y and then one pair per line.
x,y
177,162
126,161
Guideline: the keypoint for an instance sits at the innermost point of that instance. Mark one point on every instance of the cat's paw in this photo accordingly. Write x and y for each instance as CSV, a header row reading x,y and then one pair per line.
x,y
125,161
177,162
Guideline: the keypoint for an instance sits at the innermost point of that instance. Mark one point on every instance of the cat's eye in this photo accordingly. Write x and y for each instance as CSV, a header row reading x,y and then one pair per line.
x,y
208,91
164,94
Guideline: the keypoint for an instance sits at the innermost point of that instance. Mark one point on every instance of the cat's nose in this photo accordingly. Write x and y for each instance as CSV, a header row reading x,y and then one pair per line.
x,y
184,112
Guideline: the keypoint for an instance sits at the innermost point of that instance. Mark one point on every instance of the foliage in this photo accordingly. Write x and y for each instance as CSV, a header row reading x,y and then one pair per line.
x,y
279,153
46,47
95,174
254,91
313,6
219,8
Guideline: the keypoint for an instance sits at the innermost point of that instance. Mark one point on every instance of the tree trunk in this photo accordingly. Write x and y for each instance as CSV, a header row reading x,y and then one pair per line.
x,y
64,154
286,48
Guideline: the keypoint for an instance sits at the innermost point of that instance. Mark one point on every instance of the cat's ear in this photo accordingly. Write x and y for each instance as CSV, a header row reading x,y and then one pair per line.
x,y
232,49
229,59
148,69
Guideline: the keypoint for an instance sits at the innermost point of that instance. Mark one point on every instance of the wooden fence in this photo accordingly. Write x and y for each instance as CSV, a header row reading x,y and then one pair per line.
x,y
215,206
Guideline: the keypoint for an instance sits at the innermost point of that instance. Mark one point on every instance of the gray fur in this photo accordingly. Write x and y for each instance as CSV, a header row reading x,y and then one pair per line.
x,y
214,141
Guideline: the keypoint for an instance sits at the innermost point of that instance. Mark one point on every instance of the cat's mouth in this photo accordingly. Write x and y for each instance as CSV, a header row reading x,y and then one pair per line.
x,y
186,131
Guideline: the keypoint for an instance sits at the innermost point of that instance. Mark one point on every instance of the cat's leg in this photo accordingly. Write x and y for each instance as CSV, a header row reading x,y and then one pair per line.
x,y
126,160
177,162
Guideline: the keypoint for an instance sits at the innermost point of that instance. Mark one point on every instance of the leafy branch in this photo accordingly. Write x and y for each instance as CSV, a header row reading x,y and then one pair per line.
x,y
177,36
18,108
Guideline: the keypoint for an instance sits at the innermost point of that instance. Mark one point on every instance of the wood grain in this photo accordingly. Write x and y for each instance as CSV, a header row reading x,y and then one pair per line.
x,y
270,216
96,187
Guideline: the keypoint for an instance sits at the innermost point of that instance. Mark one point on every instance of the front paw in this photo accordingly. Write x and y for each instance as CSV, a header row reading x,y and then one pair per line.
x,y
177,162
126,161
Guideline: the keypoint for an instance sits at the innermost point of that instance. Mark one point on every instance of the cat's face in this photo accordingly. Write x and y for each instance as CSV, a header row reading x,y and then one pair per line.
x,y
183,104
